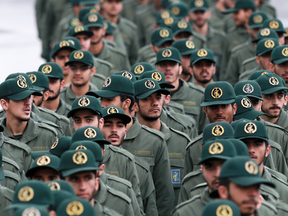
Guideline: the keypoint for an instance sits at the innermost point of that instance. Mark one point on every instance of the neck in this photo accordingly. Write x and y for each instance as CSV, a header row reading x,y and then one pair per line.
x,y
185,77
67,80
203,84
151,124
203,30
96,48
80,91
268,119
128,126
220,6
92,202
176,84
15,126
52,104
261,168
112,19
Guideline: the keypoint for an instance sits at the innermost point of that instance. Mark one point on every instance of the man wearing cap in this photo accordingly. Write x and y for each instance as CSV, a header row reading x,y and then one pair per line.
x,y
16,101
212,208
81,68
203,67
276,25
213,155
188,95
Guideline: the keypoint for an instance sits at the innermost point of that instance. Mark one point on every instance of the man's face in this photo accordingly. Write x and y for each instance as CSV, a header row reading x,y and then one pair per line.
x,y
273,103
98,33
253,32
115,101
114,130
264,60
286,41
281,39
199,17
281,70
256,103
85,117
61,58
38,100
211,171
183,35
203,71
185,62
45,174
84,41
222,112
228,3
240,17
54,88
80,73
85,184
171,70
112,7
257,149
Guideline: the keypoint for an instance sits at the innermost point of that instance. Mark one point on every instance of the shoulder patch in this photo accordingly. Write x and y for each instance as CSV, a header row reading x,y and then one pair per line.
x,y
122,152
119,194
119,180
191,174
204,184
199,137
156,132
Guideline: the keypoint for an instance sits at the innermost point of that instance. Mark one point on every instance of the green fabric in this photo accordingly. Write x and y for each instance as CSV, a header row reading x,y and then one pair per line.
x,y
168,54
89,133
62,45
180,10
248,88
158,76
184,46
274,24
160,36
256,19
265,33
145,87
217,130
75,202
51,69
265,46
212,208
92,146
39,80
258,73
163,15
271,83
126,74
93,20
80,56
85,10
63,108
201,54
199,5
115,112
79,30
241,4
250,129
283,120
278,55
140,67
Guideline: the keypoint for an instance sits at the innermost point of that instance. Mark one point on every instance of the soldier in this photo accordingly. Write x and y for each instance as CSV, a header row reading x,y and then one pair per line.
x,y
81,68
76,206
276,25
16,102
34,210
138,68
188,95
213,208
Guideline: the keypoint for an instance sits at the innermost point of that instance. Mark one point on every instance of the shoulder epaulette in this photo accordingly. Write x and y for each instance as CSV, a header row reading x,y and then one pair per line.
x,y
45,126
118,194
104,62
199,137
181,133
122,151
204,184
275,145
129,23
248,60
270,206
50,112
64,119
278,174
156,132
200,37
239,47
187,201
7,193
279,179
119,180
11,162
99,76
197,87
14,176
274,125
282,206
18,144
142,163
118,51
191,174
143,10
144,48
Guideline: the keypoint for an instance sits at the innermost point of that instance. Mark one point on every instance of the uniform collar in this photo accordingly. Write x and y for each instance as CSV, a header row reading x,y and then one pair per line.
x,y
101,196
205,196
105,53
134,130
282,120
165,130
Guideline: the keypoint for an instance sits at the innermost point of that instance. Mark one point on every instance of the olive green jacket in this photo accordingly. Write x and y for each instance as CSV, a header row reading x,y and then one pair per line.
x,y
249,64
283,120
63,108
6,198
103,210
104,68
217,18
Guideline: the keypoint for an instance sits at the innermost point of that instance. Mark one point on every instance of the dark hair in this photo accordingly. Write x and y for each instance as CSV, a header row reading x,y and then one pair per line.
x,y
266,143
124,96
5,98
224,182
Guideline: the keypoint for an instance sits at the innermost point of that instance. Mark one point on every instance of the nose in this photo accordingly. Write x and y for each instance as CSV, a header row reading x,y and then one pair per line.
x,y
217,171
82,185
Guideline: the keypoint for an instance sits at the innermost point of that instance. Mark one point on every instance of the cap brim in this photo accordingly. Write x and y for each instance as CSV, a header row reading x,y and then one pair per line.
x,y
103,93
245,181
203,58
253,96
71,112
272,90
88,33
31,171
250,115
95,25
19,205
263,52
52,76
199,9
232,10
79,60
89,2
125,118
188,52
214,157
218,102
66,173
166,85
251,136
146,94
169,59
280,61
63,48
182,30
38,88
159,43
24,94
36,154
255,26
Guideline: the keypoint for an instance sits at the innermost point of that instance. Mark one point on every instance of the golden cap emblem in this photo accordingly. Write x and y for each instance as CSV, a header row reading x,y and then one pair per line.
x,y
43,160
74,22
156,76
78,29
33,78
182,25
224,210
46,69
79,158
21,77
199,3
31,211
202,53
139,69
265,32
54,144
107,82
165,14
265,72
246,103
78,55
21,83
273,81
248,88
216,92
257,19
251,167
269,44
92,18
74,208
169,21
64,44
72,42
93,10
81,147
83,102
166,53
274,24
250,128
175,11
164,33
286,34
112,110
90,133
285,52
54,186
190,45
217,130
105,25
150,84
25,194
216,148
127,74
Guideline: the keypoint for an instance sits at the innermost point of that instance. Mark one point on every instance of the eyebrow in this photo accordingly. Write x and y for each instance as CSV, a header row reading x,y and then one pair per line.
x,y
84,117
118,122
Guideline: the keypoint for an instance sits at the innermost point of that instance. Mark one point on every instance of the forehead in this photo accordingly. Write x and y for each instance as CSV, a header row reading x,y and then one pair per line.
x,y
84,112
82,174
63,52
252,140
113,120
214,161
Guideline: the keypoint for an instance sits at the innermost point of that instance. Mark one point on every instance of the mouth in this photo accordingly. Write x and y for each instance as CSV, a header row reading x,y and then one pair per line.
x,y
77,78
219,118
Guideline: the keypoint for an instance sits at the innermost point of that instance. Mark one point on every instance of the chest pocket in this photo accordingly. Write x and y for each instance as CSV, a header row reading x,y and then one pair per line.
x,y
177,166
147,157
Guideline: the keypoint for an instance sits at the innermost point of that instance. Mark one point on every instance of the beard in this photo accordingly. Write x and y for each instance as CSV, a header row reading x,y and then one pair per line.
x,y
149,118
38,103
55,96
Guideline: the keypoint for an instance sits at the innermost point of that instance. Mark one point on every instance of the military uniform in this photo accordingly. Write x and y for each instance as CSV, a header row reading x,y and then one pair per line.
x,y
63,108
129,9
246,73
40,10
6,197
103,210
282,120
104,68
217,19
268,8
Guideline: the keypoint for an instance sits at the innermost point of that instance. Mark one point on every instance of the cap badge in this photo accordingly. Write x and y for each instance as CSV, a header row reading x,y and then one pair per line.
x,y
127,74
81,147
285,52
216,148
251,167
79,158
54,186
169,21
265,32
199,3
265,72
21,83
72,42
74,208
257,19
250,128
43,160
166,53
248,88
112,110
224,210
182,25
107,82
83,102
25,194
156,76
164,33
31,211
202,53
46,69
74,22
78,55
93,10
33,78
21,77
139,69
175,11
217,130
269,44
190,45
79,29
165,14
246,103
105,25
54,144
273,81
150,84
286,34
64,44
274,24
92,18
216,92
90,133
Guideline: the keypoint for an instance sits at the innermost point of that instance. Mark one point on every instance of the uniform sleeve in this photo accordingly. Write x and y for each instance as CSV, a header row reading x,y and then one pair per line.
x,y
232,71
134,47
281,165
183,196
224,61
188,162
39,10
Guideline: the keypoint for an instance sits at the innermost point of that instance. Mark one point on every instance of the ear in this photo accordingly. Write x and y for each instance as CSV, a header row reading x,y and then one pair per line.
x,y
52,60
100,172
152,48
52,213
272,67
93,71
267,152
46,95
62,84
214,70
208,14
103,32
205,110
101,123
223,192
97,183
234,108
126,104
4,104
136,107
258,59
180,69
167,99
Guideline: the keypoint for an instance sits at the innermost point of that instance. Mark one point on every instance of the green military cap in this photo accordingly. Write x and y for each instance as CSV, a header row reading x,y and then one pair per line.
x,y
241,4
79,30
217,207
266,45
108,27
74,41
248,88
181,26
251,129
60,195
16,89
51,69
180,10
199,5
113,86
184,46
115,112
75,2
279,54
74,161
258,73
44,161
81,56
160,36
86,10
217,93
168,54
161,15
89,133
217,130
31,210
236,122
126,74
271,83
202,54
62,45
75,207
145,87
217,149
265,33
86,102
167,3
89,2
240,147
286,33
256,19
2,175
243,171
22,76
63,185
39,80
167,22
93,20
73,21
245,108
158,76
274,24
92,146
140,67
